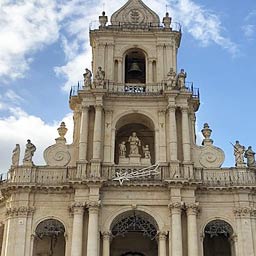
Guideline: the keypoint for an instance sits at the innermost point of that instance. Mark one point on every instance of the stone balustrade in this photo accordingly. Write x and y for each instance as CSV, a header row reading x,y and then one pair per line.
x,y
208,177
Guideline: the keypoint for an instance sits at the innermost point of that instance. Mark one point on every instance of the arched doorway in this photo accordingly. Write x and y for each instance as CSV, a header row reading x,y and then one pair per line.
x,y
217,236
49,240
134,234
144,129
135,67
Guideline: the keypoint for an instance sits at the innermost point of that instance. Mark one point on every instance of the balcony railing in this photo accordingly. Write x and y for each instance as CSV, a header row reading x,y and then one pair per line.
x,y
132,89
178,174
94,25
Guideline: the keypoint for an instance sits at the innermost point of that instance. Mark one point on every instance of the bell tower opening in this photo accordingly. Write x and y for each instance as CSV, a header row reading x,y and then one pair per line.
x,y
135,67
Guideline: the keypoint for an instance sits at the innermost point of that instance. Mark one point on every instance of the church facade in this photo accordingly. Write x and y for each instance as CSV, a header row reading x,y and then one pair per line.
x,y
133,182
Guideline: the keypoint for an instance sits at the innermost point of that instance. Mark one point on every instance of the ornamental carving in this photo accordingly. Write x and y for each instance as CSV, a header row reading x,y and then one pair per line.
x,y
218,227
58,154
192,208
22,211
176,207
243,211
77,208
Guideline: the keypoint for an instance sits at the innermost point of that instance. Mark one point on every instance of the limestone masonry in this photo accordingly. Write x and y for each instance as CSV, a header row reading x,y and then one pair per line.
x,y
133,182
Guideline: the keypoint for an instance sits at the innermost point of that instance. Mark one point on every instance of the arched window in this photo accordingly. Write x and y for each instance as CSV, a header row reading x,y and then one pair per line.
x,y
217,235
49,238
135,67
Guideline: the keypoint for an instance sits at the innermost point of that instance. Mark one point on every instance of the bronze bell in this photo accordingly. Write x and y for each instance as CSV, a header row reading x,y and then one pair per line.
x,y
135,68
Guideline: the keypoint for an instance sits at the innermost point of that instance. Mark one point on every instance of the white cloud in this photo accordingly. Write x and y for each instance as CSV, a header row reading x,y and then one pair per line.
x,y
249,28
25,27
19,127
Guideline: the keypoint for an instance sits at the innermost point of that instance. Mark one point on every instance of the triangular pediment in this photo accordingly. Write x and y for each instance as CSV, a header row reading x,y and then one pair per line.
x,y
135,12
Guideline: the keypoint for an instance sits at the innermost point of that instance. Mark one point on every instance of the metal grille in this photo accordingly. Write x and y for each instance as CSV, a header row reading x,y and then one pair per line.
x,y
218,227
50,228
134,223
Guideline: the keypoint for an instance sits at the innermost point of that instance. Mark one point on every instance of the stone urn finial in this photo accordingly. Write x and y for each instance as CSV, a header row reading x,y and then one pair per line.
x,y
62,130
206,131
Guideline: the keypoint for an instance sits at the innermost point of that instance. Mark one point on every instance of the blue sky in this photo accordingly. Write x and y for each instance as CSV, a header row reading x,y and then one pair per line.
x,y
44,49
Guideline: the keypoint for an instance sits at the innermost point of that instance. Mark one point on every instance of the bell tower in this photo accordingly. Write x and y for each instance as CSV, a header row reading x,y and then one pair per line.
x,y
136,110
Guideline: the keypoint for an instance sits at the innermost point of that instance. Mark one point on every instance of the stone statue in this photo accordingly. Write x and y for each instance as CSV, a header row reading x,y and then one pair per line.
x,y
239,154
171,78
99,77
29,152
181,79
250,156
146,152
167,21
122,149
135,143
16,155
87,78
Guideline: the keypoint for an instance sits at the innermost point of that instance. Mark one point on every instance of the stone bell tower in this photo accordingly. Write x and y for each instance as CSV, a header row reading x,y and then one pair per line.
x,y
138,109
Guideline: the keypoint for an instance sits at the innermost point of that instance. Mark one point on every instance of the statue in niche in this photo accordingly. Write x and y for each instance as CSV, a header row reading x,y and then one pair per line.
x,y
181,79
87,78
16,155
122,149
171,78
239,154
249,154
135,143
99,77
146,152
29,152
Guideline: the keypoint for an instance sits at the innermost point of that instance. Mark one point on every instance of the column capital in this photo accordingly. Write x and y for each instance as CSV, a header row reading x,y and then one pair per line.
x,y
243,212
171,108
107,235
93,206
176,207
77,208
98,107
184,109
22,211
192,208
162,235
84,107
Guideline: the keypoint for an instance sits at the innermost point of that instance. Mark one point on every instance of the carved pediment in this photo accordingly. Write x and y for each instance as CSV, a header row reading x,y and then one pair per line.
x,y
135,12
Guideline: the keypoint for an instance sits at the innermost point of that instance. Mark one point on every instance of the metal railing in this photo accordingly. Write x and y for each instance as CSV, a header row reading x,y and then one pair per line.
x,y
94,25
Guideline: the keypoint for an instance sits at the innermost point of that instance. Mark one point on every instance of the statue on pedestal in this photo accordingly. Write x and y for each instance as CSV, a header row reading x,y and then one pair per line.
x,y
87,78
122,149
239,154
99,77
249,154
167,21
181,79
146,152
29,152
16,155
135,143
171,78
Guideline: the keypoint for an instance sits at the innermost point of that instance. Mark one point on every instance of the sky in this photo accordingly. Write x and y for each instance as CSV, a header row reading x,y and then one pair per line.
x,y
44,50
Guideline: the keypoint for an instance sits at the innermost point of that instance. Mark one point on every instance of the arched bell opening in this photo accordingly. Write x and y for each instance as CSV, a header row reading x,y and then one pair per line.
x,y
134,234
135,140
49,239
217,239
135,67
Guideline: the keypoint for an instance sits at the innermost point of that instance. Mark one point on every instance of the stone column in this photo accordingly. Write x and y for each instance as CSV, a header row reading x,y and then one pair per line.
x,y
83,133
193,124
172,133
97,133
162,244
106,243
162,137
192,210
92,242
120,71
243,215
150,72
185,135
77,232
176,228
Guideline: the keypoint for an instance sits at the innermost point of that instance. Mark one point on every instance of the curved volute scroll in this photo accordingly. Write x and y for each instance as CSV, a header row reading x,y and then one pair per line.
x,y
58,154
135,12
207,156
